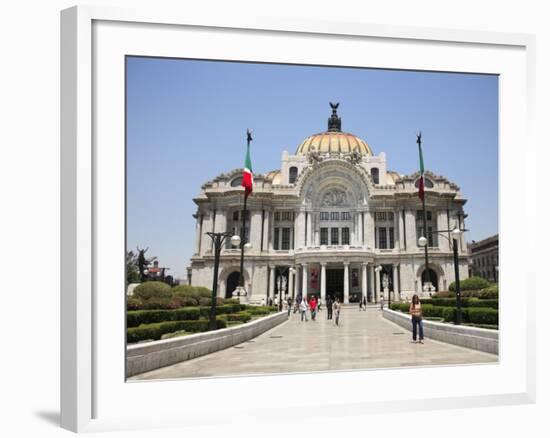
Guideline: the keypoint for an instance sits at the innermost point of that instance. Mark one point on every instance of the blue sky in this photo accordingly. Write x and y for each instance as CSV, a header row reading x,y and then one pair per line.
x,y
187,121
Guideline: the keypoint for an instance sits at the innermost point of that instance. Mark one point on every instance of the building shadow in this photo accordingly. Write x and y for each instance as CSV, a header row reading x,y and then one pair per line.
x,y
51,417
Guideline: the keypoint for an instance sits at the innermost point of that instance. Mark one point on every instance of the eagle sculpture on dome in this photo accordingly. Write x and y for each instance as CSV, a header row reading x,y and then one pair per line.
x,y
334,122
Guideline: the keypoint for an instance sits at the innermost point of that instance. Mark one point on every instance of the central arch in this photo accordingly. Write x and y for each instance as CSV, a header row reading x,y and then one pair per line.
x,y
231,283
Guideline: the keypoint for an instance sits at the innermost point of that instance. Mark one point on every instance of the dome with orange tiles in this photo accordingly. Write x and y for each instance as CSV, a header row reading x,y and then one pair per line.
x,y
334,140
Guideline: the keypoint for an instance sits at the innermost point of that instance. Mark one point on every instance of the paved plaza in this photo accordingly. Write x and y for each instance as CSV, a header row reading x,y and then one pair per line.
x,y
363,340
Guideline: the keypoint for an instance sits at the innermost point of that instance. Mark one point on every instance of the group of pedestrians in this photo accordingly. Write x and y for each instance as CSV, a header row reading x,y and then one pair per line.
x,y
313,307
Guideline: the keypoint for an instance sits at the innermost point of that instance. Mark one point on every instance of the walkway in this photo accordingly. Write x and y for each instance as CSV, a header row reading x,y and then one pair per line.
x,y
363,340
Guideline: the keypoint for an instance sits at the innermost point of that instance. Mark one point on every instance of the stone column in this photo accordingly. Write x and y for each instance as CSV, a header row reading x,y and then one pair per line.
x,y
410,226
197,233
300,229
396,230
401,225
255,230
207,226
309,235
369,229
267,225
371,278
364,281
346,282
272,282
291,283
395,286
323,283
304,280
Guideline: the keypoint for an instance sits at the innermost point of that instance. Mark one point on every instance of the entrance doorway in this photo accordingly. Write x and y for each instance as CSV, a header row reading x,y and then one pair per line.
x,y
432,278
335,284
231,283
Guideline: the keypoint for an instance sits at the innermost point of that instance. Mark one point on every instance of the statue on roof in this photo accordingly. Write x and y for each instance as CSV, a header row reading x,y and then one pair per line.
x,y
334,122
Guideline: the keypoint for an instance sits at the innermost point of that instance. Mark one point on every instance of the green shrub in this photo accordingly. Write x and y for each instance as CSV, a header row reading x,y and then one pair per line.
x,y
231,301
490,292
472,283
240,316
156,330
156,303
153,289
185,290
481,315
443,294
258,310
135,318
133,303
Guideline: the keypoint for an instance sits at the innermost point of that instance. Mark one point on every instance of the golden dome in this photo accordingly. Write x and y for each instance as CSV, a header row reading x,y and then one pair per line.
x,y
334,142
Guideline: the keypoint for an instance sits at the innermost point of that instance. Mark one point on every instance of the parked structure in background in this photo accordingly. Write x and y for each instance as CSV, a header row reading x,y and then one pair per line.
x,y
334,213
483,258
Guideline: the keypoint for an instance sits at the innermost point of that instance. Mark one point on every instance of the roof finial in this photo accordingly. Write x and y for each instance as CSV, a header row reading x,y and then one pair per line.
x,y
334,122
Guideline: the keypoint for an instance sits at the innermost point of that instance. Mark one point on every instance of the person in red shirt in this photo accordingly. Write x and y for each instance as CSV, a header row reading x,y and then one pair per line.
x,y
313,307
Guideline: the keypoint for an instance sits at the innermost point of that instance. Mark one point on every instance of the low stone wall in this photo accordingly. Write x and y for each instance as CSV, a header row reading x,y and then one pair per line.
x,y
149,356
471,337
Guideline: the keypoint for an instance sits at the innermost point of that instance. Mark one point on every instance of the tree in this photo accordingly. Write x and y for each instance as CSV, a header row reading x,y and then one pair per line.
x,y
132,270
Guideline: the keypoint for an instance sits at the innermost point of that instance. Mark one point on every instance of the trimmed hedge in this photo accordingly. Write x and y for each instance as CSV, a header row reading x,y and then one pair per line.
x,y
475,315
472,283
240,316
156,330
466,302
135,318
196,292
261,310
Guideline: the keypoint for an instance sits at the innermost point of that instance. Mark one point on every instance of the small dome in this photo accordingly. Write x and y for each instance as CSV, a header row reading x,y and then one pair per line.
x,y
334,140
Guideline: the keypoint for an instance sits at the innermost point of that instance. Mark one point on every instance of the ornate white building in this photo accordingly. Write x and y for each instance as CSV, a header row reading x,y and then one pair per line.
x,y
333,213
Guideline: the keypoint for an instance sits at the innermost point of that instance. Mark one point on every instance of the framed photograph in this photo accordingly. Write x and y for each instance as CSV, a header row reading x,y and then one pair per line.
x,y
264,204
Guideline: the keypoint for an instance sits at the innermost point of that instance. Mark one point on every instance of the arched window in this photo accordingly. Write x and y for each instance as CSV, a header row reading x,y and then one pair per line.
x,y
237,181
292,175
375,175
427,183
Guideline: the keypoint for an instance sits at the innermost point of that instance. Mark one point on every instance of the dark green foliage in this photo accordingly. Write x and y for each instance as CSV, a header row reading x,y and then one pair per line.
x,y
196,292
259,310
133,303
475,315
465,302
490,292
135,318
472,283
481,315
240,316
153,289
156,330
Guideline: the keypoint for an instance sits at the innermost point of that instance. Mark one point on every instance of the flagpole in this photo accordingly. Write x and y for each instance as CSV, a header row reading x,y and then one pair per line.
x,y
243,233
424,219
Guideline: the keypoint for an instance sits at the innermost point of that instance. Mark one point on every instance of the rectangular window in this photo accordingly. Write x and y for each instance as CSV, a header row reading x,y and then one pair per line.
x,y
235,215
334,236
391,236
287,216
390,216
334,216
324,216
346,216
277,216
276,238
383,241
345,236
324,236
285,244
380,216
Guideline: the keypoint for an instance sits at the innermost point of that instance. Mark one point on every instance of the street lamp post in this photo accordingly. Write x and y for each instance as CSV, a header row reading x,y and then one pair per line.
x,y
218,239
282,271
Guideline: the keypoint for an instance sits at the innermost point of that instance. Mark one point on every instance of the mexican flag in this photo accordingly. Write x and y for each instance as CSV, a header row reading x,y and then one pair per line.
x,y
248,176
421,180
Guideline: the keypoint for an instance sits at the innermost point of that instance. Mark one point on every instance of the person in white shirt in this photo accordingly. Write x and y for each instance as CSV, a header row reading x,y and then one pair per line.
x,y
303,310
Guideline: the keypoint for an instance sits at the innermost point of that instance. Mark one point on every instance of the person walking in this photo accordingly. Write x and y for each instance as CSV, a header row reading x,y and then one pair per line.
x,y
415,309
365,303
303,310
329,308
382,302
313,307
360,305
337,307
289,304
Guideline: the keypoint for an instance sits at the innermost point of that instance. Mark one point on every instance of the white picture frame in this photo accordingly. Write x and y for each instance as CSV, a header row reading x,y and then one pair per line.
x,y
93,395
